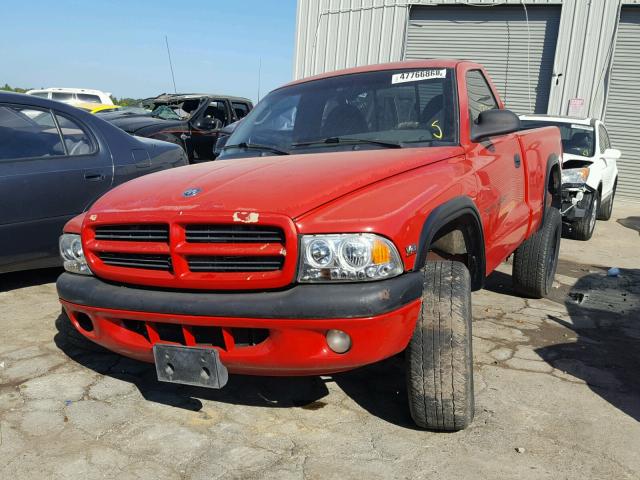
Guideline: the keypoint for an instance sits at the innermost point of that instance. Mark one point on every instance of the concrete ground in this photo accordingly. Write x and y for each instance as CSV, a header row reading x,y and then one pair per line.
x,y
557,394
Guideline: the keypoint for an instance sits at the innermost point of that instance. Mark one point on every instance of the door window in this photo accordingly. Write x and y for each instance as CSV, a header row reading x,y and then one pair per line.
x,y
76,140
62,96
28,132
241,109
603,136
85,97
480,95
217,111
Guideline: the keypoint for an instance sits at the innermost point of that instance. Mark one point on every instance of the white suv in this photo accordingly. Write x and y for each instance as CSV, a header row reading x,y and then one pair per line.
x,y
73,95
589,171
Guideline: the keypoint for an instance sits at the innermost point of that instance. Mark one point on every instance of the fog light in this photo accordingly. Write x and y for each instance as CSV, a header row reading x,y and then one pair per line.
x,y
338,341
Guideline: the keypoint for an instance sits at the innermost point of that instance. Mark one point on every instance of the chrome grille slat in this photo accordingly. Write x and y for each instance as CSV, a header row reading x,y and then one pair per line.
x,y
233,234
235,264
132,260
133,233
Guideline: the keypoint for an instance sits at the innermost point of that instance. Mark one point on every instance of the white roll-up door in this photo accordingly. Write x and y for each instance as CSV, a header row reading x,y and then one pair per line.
x,y
622,115
496,37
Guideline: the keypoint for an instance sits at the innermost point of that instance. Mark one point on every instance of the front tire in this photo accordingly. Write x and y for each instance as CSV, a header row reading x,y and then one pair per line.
x,y
439,356
536,259
606,207
583,229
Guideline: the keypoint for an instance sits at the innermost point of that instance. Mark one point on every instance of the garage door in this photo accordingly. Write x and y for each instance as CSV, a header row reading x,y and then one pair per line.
x,y
622,115
497,37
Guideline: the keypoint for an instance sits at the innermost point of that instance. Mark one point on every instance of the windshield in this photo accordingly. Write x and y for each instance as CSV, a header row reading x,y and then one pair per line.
x,y
398,108
576,139
178,109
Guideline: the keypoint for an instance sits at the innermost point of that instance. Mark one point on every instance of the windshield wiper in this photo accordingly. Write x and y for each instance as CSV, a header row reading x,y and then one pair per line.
x,y
347,140
257,146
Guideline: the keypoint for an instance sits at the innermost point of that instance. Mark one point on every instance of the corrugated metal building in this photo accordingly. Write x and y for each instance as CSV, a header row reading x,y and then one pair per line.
x,y
579,57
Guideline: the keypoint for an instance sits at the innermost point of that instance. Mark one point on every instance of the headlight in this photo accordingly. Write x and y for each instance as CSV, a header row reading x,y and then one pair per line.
x,y
72,254
348,258
575,175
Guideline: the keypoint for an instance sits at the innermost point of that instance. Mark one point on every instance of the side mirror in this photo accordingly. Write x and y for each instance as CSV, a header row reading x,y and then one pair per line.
x,y
612,153
209,123
494,122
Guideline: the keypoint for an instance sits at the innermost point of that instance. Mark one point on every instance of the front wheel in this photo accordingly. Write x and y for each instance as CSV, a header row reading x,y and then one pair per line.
x,y
439,356
606,207
583,229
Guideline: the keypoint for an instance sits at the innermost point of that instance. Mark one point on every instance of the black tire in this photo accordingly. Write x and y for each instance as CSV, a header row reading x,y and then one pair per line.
x,y
536,260
583,229
606,207
439,358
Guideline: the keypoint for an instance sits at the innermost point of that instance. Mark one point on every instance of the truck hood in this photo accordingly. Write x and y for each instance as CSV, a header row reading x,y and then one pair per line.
x,y
134,123
289,184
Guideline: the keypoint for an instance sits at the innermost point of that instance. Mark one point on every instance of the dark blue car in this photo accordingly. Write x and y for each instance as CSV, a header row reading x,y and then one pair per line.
x,y
55,161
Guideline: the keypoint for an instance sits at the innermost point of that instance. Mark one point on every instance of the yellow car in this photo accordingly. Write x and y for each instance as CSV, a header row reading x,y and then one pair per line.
x,y
96,107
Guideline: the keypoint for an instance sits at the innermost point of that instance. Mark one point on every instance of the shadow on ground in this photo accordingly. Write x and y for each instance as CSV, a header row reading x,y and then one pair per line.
x,y
377,388
29,278
630,222
605,316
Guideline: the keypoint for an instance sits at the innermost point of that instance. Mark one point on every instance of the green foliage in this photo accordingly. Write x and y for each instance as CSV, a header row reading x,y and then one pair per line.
x,y
126,102
8,88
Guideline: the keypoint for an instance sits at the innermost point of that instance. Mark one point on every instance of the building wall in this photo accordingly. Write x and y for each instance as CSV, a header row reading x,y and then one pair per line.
x,y
335,34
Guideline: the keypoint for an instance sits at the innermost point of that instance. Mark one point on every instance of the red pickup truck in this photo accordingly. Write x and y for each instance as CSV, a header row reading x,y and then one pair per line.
x,y
348,220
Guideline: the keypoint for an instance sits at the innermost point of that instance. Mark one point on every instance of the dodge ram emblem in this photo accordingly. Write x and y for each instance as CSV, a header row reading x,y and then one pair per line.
x,y
191,192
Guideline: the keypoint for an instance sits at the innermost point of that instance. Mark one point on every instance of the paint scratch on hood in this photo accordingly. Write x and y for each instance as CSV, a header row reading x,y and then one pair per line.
x,y
246,217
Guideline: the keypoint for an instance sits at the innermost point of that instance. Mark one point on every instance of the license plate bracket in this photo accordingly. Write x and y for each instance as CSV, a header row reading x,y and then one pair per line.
x,y
196,366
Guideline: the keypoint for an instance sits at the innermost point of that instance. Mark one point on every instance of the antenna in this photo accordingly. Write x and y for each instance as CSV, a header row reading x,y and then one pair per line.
x,y
259,75
173,78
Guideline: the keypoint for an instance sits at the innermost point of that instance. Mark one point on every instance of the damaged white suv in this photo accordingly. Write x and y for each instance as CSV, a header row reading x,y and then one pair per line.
x,y
589,171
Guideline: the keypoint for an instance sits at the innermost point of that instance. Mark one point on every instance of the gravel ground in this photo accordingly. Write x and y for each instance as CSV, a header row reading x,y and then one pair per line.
x,y
557,394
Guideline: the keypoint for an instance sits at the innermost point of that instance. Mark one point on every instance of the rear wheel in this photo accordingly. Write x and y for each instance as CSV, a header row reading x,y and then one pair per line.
x,y
439,355
583,229
536,260
606,207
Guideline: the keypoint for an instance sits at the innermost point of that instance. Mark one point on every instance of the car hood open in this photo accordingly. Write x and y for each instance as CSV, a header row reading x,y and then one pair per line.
x,y
290,184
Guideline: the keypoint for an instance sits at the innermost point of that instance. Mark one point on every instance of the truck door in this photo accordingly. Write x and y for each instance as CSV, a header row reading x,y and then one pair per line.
x,y
206,128
51,169
500,175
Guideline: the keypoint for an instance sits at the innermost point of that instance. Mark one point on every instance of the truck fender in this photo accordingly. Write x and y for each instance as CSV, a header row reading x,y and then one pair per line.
x,y
552,161
460,211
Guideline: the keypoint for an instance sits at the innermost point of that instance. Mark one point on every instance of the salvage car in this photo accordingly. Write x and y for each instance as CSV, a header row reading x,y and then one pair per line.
x,y
55,161
589,171
347,220
192,121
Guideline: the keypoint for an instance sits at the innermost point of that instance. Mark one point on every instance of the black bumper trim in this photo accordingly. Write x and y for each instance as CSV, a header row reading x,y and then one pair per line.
x,y
318,301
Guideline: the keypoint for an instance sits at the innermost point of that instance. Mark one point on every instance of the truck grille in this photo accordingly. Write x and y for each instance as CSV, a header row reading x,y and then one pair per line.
x,y
233,234
235,264
134,233
192,250
132,260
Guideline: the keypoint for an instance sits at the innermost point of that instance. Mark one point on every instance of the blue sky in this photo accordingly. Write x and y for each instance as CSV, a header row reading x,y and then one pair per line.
x,y
118,46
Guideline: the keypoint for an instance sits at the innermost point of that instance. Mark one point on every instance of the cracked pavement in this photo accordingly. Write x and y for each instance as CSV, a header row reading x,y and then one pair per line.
x,y
557,386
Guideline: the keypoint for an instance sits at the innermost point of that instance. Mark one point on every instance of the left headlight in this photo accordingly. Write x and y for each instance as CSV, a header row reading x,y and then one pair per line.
x,y
347,258
72,254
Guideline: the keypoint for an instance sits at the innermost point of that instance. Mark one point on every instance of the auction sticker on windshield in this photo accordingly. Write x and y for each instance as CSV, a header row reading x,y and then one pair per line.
x,y
418,75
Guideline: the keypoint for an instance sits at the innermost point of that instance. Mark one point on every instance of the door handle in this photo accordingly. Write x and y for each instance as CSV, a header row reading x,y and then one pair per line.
x,y
517,160
94,176
184,136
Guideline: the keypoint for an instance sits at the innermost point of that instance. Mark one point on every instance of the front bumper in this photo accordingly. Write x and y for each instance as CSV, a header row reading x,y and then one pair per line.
x,y
260,333
575,211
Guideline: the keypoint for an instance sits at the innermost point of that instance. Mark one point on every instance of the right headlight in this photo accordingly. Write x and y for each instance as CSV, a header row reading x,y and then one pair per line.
x,y
72,254
575,175
349,257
